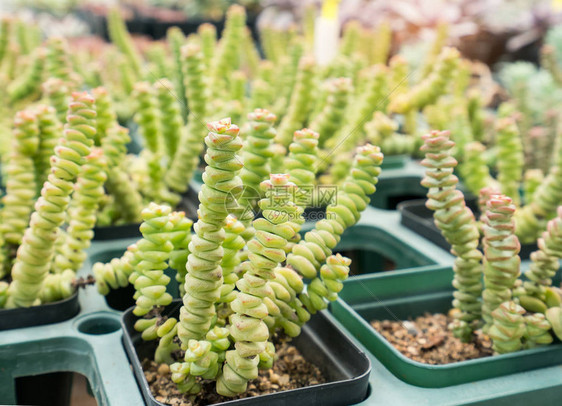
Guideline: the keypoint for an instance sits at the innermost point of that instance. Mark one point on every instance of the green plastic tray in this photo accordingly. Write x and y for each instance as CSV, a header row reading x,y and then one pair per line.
x,y
97,350
395,161
408,294
89,344
373,249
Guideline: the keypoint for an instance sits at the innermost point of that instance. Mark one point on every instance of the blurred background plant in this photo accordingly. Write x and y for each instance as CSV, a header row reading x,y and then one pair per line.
x,y
486,30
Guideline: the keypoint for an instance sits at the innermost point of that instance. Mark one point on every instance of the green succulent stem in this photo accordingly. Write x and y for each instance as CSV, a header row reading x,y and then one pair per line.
x,y
537,330
84,204
148,115
508,327
300,103
254,300
510,158
545,261
332,116
458,225
176,39
531,219
222,186
153,252
121,38
21,187
186,158
57,92
128,199
30,81
501,259
37,249
474,169
429,89
172,122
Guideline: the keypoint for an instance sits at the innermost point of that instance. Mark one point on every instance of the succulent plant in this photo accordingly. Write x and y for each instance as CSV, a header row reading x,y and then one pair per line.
x,y
458,225
505,298
34,256
508,327
261,291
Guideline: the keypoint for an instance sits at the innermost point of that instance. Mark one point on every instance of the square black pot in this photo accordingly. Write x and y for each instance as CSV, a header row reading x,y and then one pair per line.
x,y
419,219
189,204
47,313
321,342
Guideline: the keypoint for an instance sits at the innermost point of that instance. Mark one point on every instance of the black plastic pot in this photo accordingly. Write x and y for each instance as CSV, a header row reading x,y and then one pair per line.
x,y
189,204
47,313
156,28
418,218
403,295
346,367
103,233
391,191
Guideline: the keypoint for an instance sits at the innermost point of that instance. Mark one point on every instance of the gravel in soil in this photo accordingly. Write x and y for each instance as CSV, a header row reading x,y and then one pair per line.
x,y
427,339
290,371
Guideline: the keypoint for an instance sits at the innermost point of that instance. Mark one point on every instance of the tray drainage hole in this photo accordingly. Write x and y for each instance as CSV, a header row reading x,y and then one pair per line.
x,y
99,326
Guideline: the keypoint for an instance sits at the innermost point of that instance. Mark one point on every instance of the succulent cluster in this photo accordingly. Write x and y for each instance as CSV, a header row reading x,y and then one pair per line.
x,y
247,271
515,314
458,226
47,257
520,141
239,289
166,93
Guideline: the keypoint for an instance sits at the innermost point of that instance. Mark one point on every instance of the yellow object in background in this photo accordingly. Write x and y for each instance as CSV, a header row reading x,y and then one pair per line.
x,y
330,9
327,33
556,5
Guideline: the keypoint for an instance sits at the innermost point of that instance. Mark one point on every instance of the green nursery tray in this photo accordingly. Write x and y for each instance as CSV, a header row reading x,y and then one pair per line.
x,y
88,343
373,249
395,161
407,294
91,344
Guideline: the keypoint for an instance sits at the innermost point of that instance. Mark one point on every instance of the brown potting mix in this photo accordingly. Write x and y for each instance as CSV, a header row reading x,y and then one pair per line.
x,y
290,371
427,339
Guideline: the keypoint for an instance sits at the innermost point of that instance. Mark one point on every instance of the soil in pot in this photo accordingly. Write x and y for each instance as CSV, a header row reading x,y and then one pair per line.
x,y
290,371
428,340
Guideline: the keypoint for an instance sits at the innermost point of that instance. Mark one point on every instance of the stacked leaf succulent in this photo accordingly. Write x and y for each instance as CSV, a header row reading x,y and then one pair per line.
x,y
535,191
48,257
238,291
458,225
515,314
170,92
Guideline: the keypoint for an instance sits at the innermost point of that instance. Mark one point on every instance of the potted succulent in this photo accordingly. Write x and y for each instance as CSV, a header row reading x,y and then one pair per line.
x,y
47,258
236,273
132,179
517,319
518,148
